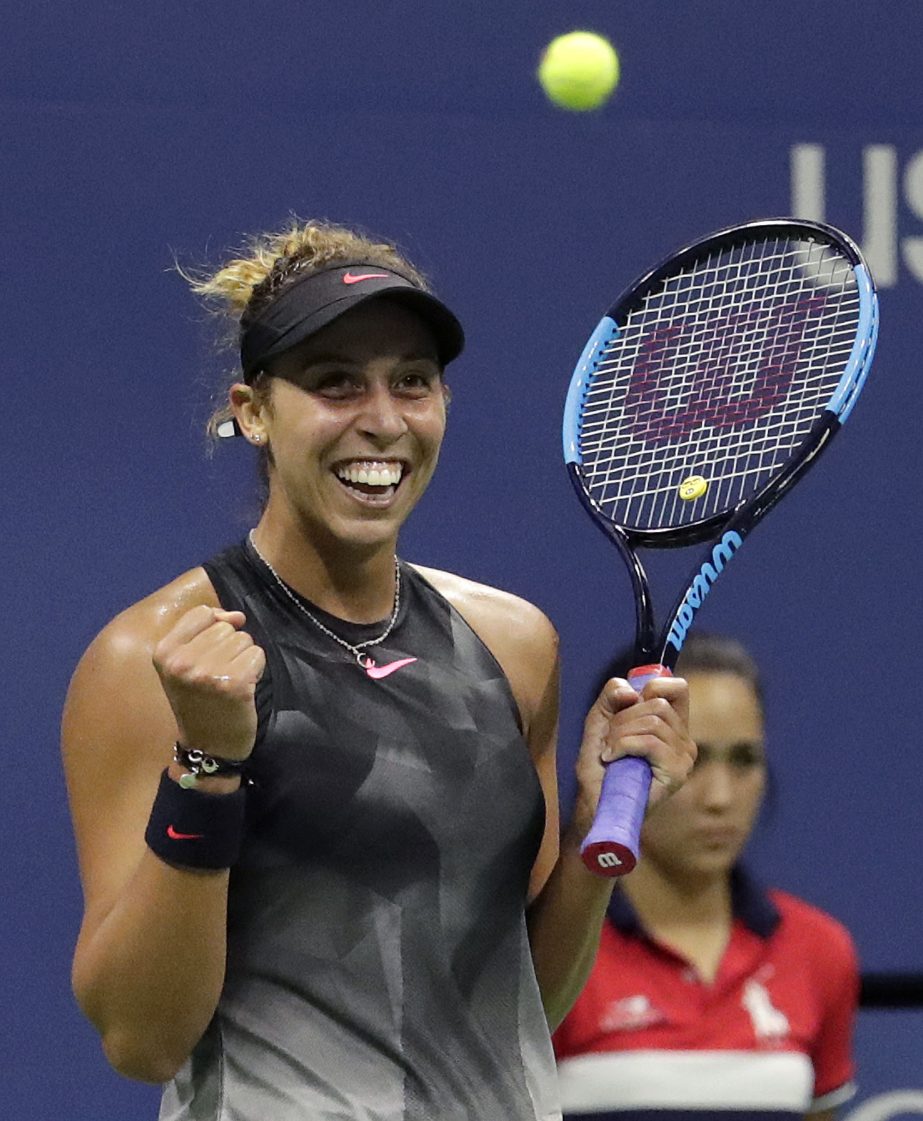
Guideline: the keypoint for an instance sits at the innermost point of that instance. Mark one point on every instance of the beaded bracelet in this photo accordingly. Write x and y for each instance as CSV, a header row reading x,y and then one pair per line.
x,y
199,765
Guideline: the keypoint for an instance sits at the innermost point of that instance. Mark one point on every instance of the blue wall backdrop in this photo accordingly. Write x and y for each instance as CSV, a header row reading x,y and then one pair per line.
x,y
132,132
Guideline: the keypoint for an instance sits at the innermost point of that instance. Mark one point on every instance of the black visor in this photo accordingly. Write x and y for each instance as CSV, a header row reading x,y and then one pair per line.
x,y
318,298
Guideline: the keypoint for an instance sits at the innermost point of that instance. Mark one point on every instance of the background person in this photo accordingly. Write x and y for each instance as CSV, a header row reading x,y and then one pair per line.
x,y
710,995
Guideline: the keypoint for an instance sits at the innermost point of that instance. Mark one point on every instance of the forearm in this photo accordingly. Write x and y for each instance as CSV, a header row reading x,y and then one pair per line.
x,y
566,918
148,970
564,923
149,974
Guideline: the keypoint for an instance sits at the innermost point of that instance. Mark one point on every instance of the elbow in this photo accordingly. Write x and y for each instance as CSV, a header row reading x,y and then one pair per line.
x,y
139,1057
132,1049
147,1037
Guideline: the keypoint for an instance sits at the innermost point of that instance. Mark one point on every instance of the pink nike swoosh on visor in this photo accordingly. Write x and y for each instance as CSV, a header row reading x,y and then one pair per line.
x,y
354,278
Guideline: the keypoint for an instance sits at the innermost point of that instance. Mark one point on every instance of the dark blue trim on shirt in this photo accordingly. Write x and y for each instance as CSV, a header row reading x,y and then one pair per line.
x,y
749,902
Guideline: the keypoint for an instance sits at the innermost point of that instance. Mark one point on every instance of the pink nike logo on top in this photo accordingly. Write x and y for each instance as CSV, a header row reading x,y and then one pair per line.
x,y
382,671
355,277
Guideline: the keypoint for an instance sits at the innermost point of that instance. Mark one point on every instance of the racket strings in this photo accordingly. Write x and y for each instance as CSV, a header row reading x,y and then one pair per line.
x,y
720,372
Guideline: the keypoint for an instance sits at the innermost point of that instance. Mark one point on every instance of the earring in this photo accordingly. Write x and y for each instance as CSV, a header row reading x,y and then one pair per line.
x,y
257,437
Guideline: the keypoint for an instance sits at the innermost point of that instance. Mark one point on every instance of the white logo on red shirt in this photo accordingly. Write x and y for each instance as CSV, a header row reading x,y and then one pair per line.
x,y
631,1013
769,1024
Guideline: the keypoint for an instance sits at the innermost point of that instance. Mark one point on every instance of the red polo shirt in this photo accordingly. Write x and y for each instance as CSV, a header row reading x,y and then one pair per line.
x,y
771,1036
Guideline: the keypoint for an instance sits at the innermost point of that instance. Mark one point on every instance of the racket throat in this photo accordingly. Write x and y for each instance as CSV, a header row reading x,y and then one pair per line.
x,y
699,587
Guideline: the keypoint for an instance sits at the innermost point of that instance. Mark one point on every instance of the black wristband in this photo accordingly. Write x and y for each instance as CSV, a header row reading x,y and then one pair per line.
x,y
196,830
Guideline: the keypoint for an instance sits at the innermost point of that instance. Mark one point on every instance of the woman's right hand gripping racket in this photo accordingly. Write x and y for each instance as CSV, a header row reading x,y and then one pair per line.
x,y
702,396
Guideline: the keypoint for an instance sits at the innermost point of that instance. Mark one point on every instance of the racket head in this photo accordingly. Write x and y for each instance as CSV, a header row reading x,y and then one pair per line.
x,y
723,373
716,376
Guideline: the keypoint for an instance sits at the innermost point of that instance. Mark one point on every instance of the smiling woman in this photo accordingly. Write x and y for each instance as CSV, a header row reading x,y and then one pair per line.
x,y
354,418
345,896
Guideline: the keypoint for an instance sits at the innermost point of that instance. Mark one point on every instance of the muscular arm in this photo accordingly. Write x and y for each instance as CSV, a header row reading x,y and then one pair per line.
x,y
567,912
566,903
150,957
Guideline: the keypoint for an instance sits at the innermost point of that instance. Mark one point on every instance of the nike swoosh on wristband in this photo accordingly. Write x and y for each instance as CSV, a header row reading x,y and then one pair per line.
x,y
175,836
383,671
354,278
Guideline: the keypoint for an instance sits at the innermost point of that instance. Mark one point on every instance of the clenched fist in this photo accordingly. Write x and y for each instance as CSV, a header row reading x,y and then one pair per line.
x,y
654,725
209,669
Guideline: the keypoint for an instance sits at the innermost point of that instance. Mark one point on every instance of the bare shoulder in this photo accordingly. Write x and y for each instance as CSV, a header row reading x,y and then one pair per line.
x,y
494,614
519,635
138,628
116,674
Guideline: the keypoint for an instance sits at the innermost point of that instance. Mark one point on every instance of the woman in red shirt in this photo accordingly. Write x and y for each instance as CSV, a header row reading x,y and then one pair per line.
x,y
711,994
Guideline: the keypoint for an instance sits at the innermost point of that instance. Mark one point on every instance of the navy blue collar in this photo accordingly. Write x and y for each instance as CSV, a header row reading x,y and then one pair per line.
x,y
749,903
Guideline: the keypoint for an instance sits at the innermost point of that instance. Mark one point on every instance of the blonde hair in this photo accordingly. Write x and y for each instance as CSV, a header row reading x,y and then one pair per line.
x,y
242,287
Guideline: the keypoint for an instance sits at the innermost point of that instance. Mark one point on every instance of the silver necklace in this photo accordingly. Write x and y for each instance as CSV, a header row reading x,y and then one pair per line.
x,y
364,660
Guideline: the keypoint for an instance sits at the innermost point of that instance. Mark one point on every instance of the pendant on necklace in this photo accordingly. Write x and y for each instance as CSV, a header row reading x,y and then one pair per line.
x,y
377,672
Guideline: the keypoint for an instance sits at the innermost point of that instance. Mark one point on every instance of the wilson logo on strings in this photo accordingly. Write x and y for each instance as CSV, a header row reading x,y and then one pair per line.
x,y
701,586
720,391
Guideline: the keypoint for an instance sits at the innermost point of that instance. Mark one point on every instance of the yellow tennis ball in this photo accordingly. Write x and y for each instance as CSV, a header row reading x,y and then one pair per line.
x,y
579,70
692,487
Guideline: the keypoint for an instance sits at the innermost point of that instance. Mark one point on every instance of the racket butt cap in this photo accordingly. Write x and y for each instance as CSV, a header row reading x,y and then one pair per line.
x,y
608,858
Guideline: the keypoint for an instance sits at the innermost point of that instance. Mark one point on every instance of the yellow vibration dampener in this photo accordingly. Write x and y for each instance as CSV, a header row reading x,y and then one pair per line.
x,y
693,487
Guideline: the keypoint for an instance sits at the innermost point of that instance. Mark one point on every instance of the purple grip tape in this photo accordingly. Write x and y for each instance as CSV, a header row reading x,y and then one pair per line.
x,y
612,845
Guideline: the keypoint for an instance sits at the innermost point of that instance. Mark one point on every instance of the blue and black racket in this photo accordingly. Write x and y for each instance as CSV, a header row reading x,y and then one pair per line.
x,y
702,396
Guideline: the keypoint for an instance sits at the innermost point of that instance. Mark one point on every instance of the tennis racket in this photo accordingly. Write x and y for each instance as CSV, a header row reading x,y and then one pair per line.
x,y
701,398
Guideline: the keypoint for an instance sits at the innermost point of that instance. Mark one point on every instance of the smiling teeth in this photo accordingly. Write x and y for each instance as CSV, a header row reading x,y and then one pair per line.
x,y
372,473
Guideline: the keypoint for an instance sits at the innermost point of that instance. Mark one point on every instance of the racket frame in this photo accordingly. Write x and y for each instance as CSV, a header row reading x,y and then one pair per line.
x,y
746,514
725,531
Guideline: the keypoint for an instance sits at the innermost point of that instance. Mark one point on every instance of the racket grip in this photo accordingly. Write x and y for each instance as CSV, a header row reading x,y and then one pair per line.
x,y
612,846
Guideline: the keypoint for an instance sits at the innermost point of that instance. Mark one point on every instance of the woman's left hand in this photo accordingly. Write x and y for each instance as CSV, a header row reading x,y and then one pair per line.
x,y
654,725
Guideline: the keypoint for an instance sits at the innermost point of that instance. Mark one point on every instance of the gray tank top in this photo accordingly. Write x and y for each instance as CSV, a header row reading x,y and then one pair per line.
x,y
378,962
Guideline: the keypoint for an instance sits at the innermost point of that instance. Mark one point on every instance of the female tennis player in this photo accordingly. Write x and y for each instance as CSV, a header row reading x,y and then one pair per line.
x,y
313,785
710,995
